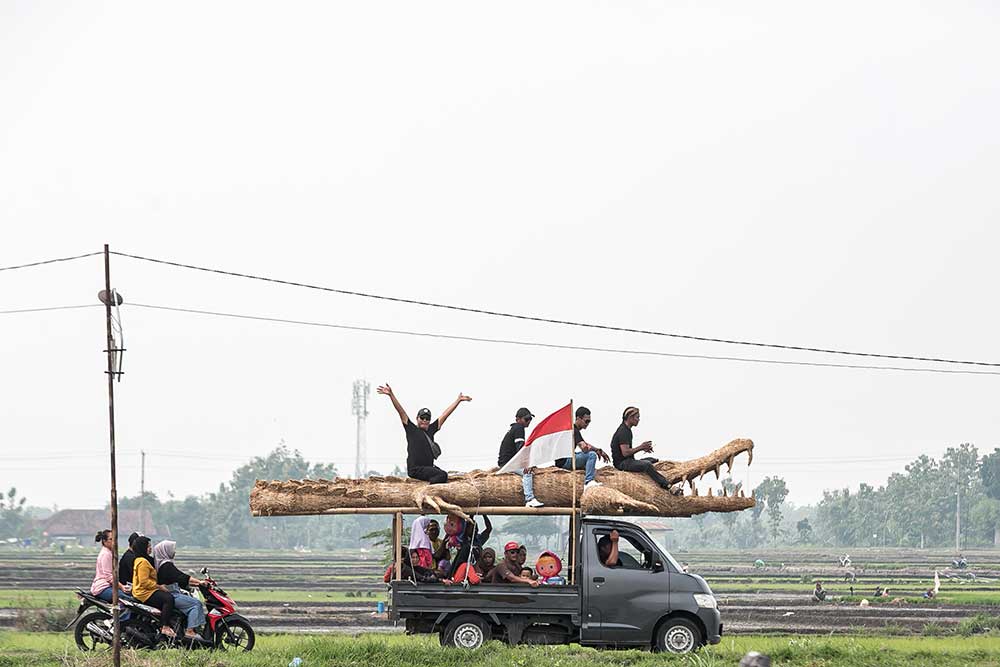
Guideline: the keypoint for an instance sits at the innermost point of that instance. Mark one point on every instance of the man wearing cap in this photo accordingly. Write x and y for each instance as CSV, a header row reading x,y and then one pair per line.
x,y
623,453
511,443
508,571
588,454
421,450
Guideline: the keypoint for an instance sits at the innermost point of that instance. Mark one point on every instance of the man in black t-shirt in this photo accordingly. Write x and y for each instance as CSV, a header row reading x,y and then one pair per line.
x,y
421,450
512,442
588,454
623,453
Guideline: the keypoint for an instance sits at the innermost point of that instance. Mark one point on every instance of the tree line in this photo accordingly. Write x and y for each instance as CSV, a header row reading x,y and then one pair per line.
x,y
914,508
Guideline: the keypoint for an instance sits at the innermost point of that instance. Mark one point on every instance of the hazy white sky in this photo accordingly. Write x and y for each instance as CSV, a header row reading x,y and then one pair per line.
x,y
792,172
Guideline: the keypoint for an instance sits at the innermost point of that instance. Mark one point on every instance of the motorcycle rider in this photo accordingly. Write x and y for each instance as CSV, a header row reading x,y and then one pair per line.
x,y
146,590
176,583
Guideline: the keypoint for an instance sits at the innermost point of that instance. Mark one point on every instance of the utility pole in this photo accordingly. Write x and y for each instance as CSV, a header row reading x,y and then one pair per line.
x,y
958,514
359,408
142,494
109,298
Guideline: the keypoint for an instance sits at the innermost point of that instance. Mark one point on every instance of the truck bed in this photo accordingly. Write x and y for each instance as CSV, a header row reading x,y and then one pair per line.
x,y
408,599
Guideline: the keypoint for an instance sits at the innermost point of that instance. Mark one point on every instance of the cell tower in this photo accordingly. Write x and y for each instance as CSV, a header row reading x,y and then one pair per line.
x,y
359,408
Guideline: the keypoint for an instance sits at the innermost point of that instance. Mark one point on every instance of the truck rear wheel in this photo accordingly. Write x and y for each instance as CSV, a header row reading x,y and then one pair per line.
x,y
678,635
466,631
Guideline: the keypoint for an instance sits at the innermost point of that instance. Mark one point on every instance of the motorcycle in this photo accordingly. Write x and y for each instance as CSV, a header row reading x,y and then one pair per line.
x,y
224,628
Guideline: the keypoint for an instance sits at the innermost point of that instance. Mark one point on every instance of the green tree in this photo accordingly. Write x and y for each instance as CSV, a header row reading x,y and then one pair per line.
x,y
804,530
772,492
989,474
12,515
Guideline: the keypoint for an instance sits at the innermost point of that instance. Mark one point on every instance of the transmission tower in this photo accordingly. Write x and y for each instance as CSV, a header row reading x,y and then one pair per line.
x,y
359,408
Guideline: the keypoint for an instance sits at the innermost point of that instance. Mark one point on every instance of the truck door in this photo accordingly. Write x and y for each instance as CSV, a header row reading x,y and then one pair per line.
x,y
628,598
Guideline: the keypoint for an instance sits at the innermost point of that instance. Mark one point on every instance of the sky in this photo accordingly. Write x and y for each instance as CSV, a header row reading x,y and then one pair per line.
x,y
794,173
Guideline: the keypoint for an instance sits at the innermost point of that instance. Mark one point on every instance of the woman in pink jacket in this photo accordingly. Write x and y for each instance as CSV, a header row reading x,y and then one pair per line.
x,y
104,576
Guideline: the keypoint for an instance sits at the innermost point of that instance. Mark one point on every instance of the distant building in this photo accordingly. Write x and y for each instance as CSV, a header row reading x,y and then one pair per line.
x,y
82,525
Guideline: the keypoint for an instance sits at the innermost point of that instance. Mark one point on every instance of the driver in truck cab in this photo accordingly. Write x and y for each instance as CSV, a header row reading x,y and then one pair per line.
x,y
607,550
508,571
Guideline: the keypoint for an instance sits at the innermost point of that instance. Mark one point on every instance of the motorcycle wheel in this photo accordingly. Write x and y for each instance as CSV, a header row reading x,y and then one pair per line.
x,y
235,635
86,640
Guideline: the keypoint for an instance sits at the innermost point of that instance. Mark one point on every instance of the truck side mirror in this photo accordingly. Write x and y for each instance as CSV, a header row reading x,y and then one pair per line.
x,y
657,566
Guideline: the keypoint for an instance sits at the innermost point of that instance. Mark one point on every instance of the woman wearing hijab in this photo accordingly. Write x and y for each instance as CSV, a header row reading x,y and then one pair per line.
x,y
174,581
146,590
486,562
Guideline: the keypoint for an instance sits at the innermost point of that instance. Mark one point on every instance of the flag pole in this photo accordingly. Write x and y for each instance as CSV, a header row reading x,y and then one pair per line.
x,y
572,517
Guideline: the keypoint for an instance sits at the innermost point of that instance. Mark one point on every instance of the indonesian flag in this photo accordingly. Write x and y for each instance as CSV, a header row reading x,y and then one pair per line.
x,y
551,439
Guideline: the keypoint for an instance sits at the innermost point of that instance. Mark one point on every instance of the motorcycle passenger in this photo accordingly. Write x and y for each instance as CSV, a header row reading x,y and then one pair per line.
x,y
126,563
104,575
176,582
146,590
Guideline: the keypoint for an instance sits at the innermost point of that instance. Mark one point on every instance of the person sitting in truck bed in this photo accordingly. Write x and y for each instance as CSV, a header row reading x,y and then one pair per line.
x,y
411,569
508,570
607,550
486,562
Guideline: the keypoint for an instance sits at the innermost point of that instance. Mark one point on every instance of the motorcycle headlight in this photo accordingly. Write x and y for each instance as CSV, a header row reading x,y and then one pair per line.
x,y
705,600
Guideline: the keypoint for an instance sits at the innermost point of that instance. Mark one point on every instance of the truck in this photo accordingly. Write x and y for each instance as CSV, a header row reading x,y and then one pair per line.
x,y
646,601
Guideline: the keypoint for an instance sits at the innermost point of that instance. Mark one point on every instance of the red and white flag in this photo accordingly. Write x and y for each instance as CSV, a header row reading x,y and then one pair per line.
x,y
551,439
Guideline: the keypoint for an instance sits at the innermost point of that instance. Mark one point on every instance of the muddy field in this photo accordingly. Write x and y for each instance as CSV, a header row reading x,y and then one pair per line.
x,y
774,598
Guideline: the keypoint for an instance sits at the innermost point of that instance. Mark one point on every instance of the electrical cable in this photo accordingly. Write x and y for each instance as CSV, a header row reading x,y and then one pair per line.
x,y
557,346
532,318
49,261
41,310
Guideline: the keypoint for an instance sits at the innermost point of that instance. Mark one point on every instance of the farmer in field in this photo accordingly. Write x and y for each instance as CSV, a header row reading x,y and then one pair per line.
x,y
421,450
623,453
819,593
512,441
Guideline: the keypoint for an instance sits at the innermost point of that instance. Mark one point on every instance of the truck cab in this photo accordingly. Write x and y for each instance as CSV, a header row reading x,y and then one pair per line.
x,y
643,600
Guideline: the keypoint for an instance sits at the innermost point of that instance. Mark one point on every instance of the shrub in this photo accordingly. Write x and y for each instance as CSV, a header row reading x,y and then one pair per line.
x,y
53,617
978,624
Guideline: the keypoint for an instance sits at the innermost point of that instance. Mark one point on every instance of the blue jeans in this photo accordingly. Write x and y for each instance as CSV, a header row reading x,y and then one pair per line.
x,y
527,483
188,605
106,596
585,460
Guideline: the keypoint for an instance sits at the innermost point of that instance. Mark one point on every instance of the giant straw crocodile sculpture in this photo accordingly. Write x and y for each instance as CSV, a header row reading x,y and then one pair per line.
x,y
626,493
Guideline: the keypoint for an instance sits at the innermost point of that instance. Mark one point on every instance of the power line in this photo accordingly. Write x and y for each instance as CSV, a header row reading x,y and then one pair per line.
x,y
557,346
42,310
547,320
49,261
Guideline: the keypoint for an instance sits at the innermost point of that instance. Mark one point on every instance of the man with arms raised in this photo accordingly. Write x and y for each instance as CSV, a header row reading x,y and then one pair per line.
x,y
421,450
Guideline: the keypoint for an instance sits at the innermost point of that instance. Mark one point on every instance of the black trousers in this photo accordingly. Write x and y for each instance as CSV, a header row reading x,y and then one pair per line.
x,y
431,474
646,466
165,602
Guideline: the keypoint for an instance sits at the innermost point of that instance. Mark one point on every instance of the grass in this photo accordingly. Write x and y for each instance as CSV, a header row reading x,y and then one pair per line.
x,y
36,649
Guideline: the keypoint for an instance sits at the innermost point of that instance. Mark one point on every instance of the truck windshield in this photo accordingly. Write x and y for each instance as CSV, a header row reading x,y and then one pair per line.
x,y
663,552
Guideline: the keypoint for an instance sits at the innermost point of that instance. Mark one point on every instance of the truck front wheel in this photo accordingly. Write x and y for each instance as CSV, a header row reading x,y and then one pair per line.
x,y
678,635
466,631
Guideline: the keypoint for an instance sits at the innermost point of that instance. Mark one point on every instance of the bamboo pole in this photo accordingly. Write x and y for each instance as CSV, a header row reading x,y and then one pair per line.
x,y
471,511
397,543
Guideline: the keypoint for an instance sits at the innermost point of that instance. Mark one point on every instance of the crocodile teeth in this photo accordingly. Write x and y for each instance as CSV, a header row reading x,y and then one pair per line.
x,y
694,490
729,463
741,494
724,494
691,482
738,488
702,475
717,471
750,456
710,492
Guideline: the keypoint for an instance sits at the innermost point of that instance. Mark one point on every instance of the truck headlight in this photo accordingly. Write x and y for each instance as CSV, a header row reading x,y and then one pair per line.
x,y
705,600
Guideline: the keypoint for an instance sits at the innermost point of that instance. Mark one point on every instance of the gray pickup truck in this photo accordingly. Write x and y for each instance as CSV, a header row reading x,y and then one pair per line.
x,y
647,601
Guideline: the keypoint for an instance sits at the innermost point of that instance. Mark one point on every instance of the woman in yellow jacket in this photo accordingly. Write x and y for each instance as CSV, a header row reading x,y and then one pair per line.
x,y
146,590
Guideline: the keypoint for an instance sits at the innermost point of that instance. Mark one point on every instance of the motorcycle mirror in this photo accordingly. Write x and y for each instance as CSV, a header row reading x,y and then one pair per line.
x,y
204,570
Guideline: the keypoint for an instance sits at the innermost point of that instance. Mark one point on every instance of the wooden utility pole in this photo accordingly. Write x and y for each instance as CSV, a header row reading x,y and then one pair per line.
x,y
142,494
110,298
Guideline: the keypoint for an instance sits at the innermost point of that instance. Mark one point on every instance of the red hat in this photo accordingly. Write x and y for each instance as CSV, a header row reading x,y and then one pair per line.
x,y
511,546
